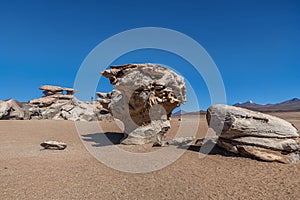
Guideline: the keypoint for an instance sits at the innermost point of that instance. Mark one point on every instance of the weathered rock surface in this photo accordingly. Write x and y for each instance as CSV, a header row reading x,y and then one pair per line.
x,y
54,145
254,134
179,141
10,110
60,104
143,99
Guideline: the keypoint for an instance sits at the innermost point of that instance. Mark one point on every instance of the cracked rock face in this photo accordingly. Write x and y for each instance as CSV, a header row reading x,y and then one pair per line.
x,y
254,134
143,99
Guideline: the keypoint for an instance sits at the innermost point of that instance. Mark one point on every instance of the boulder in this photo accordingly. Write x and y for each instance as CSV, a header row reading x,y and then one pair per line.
x,y
181,141
143,99
72,109
79,111
11,110
178,141
254,134
54,145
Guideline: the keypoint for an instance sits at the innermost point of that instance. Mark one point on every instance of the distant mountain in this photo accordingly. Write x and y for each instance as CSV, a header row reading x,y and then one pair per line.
x,y
179,112
286,106
182,112
248,104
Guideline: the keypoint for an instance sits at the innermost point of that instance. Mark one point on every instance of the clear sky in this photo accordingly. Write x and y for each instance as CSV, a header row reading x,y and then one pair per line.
x,y
255,44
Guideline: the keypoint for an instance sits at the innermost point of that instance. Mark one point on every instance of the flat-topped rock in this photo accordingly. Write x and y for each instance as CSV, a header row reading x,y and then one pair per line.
x,y
62,96
51,90
53,145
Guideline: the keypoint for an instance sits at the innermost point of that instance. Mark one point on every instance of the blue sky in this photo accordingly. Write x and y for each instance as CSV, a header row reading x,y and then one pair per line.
x,y
255,44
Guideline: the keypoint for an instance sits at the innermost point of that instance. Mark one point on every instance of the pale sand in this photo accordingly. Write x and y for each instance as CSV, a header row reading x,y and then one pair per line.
x,y
26,172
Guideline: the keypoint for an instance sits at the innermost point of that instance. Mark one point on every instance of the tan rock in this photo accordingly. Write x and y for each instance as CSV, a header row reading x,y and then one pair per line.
x,y
143,93
254,134
54,145
51,88
44,101
58,106
11,110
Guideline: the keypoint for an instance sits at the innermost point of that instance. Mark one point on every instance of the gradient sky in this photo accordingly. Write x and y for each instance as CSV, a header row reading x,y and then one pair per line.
x,y
255,44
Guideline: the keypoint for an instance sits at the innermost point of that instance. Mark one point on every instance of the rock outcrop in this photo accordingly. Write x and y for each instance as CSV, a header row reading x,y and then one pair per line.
x,y
11,110
143,99
60,104
254,134
53,94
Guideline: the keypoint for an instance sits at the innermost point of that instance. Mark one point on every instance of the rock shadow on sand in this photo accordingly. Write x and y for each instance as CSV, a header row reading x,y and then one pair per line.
x,y
103,139
209,148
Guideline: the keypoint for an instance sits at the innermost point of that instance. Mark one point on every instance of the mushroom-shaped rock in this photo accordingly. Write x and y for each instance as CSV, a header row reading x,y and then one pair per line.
x,y
143,99
255,134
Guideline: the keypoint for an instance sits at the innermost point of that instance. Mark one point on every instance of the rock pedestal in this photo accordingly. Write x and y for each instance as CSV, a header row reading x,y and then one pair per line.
x,y
254,134
143,99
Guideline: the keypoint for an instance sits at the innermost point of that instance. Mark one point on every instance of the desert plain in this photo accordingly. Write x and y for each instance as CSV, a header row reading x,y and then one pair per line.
x,y
28,172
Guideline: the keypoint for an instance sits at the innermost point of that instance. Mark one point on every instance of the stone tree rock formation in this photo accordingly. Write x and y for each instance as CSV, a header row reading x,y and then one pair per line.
x,y
254,134
143,99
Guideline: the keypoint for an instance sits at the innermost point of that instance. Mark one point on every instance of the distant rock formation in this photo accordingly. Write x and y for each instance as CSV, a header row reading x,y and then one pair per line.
x,y
53,94
254,134
58,104
143,99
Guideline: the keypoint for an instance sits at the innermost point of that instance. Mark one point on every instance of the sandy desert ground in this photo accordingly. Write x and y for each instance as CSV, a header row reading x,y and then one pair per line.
x,y
27,172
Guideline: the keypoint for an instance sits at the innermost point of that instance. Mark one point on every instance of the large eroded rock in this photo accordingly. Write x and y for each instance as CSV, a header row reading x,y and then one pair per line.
x,y
255,134
143,99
